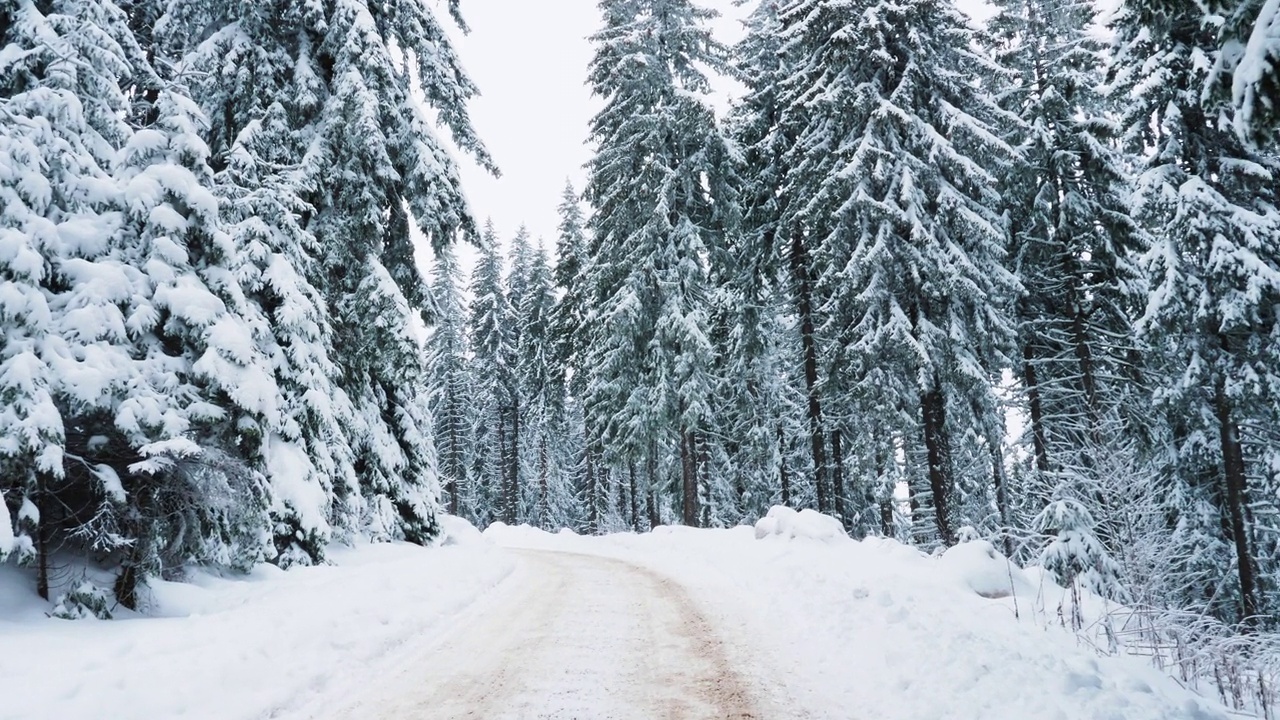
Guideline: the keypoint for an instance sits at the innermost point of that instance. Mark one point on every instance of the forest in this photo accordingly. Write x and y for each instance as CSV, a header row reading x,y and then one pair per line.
x,y
1017,282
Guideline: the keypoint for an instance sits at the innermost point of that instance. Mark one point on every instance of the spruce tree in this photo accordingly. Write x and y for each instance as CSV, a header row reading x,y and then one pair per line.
x,y
1214,275
452,384
659,189
493,357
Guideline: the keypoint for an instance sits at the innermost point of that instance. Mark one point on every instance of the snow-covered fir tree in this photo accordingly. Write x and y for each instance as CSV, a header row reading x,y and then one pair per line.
x,y
1074,249
493,360
452,385
659,192
1213,269
891,151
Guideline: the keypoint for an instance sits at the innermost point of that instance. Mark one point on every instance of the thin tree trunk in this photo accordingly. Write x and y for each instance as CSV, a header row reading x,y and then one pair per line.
x,y
650,496
42,546
543,481
635,502
934,416
1038,433
1237,491
784,478
508,515
837,478
593,514
455,470
799,260
1002,494
689,479
513,487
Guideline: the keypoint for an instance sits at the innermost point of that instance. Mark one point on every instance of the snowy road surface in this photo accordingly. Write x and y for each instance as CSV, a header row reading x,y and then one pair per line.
x,y
571,636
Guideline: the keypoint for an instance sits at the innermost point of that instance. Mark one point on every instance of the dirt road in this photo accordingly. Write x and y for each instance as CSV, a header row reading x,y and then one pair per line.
x,y
572,637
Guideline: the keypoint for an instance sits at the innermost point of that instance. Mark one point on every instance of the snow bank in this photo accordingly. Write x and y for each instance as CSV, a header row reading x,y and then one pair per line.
x,y
876,629
236,648
783,522
459,531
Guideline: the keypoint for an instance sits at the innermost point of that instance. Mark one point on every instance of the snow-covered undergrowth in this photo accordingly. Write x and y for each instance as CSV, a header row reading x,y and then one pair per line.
x,y
236,648
875,629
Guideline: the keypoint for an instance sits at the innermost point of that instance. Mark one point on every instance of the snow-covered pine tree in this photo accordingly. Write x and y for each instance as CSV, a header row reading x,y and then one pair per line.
x,y
759,398
1248,67
892,169
1074,250
776,59
1209,202
366,163
569,346
658,186
61,125
452,385
493,360
542,407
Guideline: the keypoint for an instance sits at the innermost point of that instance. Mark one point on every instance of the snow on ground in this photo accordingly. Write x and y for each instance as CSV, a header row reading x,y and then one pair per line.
x,y
877,630
226,649
818,625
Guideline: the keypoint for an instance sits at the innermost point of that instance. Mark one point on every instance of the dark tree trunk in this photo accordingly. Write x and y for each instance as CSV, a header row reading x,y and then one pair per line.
x,y
513,473
837,479
455,470
689,478
593,506
635,501
1001,482
1236,496
799,259
651,494
502,469
1038,433
544,519
933,406
42,545
784,478
886,518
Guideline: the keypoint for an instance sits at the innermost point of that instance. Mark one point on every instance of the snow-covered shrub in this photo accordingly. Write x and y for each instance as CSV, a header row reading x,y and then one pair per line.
x,y
1074,554
85,601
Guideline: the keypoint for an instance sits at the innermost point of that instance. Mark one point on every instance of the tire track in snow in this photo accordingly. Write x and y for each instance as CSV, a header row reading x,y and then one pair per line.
x,y
575,637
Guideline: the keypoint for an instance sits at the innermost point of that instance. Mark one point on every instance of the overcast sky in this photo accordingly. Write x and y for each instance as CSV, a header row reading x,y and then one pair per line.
x,y
529,59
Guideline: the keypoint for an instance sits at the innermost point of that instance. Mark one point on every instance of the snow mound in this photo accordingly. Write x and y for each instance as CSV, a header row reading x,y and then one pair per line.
x,y
458,531
980,567
788,524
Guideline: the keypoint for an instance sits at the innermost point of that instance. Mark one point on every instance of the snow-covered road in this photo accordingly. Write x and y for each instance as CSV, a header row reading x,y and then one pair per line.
x,y
569,636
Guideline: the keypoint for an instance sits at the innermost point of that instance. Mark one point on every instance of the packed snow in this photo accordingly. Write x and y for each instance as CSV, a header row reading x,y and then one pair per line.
x,y
813,623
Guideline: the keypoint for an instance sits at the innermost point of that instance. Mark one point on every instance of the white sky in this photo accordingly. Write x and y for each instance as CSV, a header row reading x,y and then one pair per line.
x,y
529,58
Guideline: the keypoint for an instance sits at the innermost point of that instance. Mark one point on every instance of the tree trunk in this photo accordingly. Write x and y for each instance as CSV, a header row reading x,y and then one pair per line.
x,y
635,501
593,514
42,546
454,471
1038,433
1236,496
544,519
508,515
799,260
1001,482
784,478
513,483
837,479
689,478
651,495
933,406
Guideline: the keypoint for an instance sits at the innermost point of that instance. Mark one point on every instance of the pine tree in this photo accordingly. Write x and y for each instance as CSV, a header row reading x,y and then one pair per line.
x,y
451,384
542,409
1214,275
493,357
1075,246
659,189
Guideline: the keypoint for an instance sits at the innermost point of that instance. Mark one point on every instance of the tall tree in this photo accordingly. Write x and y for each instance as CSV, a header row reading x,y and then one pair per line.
x,y
1214,274
493,358
659,188
452,384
